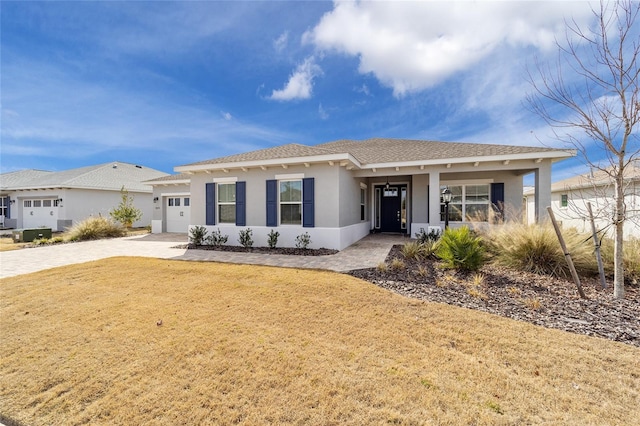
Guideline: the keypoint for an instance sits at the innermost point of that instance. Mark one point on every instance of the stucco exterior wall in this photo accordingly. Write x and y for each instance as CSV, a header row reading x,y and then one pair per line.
x,y
79,204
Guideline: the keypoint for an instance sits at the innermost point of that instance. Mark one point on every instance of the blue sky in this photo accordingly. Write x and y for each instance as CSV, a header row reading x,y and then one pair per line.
x,y
168,83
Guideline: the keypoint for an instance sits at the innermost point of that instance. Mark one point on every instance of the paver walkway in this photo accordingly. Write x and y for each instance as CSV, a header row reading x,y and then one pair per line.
x,y
366,253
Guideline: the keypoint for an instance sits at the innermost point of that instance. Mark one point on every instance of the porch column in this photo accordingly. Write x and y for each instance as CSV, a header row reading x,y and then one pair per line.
x,y
434,198
543,191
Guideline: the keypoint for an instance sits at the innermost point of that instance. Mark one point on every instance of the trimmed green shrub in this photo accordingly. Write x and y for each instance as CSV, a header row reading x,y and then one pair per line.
x,y
197,235
246,238
461,249
303,240
216,238
272,239
94,228
423,236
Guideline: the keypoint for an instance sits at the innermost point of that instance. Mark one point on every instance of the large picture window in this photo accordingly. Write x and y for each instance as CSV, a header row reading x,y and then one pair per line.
x,y
227,203
470,202
291,202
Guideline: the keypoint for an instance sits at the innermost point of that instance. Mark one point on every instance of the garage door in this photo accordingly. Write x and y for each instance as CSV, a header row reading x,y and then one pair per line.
x,y
178,214
38,213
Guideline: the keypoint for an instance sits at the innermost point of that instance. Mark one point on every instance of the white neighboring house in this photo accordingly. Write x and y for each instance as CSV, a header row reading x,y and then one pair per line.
x,y
171,203
338,192
57,200
569,198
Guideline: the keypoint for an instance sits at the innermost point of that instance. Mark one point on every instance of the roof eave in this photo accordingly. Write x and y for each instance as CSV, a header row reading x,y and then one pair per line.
x,y
553,155
327,158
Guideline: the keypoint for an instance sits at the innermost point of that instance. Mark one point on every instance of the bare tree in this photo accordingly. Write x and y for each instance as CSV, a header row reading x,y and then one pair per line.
x,y
591,101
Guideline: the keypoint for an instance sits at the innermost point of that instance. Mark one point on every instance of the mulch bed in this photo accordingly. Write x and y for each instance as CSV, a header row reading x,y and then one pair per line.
x,y
541,300
265,250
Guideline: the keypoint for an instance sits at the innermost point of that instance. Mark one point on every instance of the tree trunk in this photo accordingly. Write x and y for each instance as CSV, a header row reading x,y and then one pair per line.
x,y
618,267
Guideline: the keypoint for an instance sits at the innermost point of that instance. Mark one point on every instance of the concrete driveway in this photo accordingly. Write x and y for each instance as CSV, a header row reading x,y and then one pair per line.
x,y
366,253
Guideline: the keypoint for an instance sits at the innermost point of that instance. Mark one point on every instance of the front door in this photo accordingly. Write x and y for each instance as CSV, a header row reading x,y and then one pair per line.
x,y
393,209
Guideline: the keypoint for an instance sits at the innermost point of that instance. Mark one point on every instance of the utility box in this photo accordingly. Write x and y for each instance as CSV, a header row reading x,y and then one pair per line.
x,y
28,235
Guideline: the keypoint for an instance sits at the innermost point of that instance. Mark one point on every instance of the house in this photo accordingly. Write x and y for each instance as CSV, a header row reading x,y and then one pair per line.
x,y
569,198
338,192
57,200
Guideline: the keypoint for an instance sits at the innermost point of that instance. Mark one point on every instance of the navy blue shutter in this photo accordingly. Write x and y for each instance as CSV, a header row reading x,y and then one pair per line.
x,y
211,203
272,203
241,203
8,207
497,198
308,219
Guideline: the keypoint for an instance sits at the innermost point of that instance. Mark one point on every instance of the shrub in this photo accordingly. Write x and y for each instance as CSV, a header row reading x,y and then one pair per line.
x,y
126,213
428,248
197,235
382,267
397,264
40,242
272,239
94,228
216,238
246,238
423,236
411,250
535,248
303,240
461,249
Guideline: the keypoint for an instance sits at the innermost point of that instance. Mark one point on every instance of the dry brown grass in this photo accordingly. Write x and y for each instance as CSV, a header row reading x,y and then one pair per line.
x,y
256,345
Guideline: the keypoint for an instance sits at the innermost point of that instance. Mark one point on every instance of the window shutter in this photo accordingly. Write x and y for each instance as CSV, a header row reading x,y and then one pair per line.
x,y
8,201
211,203
497,199
272,203
308,219
241,204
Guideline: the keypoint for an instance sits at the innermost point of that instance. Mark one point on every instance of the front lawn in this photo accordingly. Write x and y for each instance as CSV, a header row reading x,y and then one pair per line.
x,y
147,341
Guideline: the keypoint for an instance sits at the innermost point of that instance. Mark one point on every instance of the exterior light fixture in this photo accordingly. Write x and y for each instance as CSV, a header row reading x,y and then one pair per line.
x,y
155,199
446,197
386,186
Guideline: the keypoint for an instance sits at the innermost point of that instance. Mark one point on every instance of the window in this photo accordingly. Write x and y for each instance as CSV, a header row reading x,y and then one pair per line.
x,y
363,199
4,206
46,203
291,202
37,203
470,202
564,200
187,202
27,203
227,203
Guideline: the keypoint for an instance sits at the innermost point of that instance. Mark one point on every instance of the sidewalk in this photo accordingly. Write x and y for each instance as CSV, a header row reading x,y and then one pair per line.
x,y
366,253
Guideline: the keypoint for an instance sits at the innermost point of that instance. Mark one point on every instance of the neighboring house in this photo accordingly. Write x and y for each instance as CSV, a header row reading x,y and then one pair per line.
x,y
171,204
57,200
569,198
341,191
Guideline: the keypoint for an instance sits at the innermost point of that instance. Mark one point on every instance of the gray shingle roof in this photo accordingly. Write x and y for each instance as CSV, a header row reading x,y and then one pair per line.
x,y
381,150
170,178
108,176
20,177
292,150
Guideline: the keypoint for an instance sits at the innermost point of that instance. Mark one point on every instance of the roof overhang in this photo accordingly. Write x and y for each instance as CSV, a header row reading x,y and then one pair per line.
x,y
343,159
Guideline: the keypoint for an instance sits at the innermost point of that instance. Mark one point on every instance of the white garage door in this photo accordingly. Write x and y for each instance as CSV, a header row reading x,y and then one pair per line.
x,y
38,213
178,214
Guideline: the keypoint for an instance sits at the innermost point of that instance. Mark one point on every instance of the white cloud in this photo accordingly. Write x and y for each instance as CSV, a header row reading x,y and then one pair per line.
x,y
300,83
322,112
364,89
280,43
411,46
226,115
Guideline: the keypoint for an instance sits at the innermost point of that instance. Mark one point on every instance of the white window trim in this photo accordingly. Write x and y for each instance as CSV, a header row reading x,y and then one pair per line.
x,y
225,180
224,203
464,195
280,202
290,176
